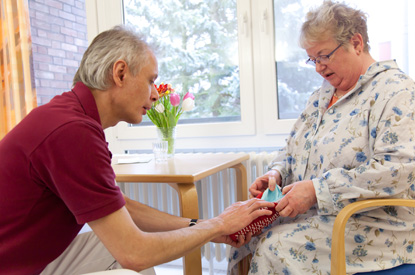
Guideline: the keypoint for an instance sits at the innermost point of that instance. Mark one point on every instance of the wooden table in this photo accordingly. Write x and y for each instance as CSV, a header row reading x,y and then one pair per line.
x,y
182,172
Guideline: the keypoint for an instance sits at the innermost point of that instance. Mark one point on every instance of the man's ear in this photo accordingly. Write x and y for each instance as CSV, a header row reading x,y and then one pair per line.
x,y
119,71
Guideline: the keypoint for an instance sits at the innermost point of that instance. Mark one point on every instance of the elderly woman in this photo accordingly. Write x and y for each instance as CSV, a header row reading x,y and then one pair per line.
x,y
355,140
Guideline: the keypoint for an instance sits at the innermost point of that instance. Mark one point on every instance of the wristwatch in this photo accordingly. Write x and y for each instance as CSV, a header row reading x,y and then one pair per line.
x,y
192,222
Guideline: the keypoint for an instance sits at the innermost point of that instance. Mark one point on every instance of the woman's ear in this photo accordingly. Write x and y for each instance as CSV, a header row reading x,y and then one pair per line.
x,y
357,43
119,70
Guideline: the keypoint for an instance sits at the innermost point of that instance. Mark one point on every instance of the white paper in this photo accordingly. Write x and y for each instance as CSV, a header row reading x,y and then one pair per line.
x,y
141,159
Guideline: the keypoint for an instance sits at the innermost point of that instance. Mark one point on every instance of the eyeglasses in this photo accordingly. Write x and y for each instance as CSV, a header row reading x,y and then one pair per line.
x,y
321,59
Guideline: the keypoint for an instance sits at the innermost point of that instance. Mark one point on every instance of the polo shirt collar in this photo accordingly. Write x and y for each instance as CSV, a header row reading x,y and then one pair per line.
x,y
87,101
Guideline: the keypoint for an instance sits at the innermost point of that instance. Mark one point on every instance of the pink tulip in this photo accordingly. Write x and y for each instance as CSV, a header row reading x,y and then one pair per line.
x,y
189,94
174,99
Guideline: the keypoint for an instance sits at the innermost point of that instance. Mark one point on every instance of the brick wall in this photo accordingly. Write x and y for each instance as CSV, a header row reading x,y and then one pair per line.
x,y
59,39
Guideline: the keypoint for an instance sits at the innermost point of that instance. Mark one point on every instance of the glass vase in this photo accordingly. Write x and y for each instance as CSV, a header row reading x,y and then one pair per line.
x,y
168,134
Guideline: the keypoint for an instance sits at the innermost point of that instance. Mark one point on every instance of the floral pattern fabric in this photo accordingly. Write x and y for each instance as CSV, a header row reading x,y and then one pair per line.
x,y
362,147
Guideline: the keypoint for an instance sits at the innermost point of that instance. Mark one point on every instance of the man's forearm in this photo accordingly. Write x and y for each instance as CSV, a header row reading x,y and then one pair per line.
x,y
138,250
149,219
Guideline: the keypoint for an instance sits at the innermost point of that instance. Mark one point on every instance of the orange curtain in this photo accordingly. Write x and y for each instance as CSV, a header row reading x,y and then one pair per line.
x,y
17,94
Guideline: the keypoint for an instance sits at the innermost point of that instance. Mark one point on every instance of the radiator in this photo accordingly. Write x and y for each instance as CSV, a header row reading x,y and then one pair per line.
x,y
215,193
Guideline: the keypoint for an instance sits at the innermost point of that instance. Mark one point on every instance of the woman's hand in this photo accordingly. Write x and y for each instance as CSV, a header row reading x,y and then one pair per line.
x,y
227,240
270,179
299,197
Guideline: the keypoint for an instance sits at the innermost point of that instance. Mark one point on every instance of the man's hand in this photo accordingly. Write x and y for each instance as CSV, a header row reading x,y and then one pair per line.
x,y
237,216
299,197
270,179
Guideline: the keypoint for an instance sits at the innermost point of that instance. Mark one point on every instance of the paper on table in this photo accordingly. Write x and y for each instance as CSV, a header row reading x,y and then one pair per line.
x,y
141,159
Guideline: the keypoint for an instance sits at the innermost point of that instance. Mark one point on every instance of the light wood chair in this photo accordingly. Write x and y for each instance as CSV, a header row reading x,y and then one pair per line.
x,y
338,257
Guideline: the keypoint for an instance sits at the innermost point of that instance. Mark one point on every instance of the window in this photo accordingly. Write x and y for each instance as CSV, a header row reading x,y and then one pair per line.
x,y
197,50
199,55
274,80
387,38
296,80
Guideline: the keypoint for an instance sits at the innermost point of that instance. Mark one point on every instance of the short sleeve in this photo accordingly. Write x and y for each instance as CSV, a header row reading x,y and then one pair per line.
x,y
74,162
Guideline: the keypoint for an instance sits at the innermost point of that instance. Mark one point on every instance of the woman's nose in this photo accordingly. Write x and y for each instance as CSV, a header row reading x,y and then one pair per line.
x,y
320,67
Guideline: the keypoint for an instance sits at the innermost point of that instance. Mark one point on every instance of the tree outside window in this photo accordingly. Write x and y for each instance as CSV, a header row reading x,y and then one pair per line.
x,y
196,43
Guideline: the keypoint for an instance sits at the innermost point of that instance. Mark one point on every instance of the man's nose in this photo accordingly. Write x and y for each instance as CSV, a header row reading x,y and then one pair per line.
x,y
154,94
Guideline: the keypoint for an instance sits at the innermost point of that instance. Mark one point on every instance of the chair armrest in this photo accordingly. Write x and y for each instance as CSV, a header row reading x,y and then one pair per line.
x,y
338,258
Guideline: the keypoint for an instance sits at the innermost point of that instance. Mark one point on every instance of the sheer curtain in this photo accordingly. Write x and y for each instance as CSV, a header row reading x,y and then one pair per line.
x,y
17,94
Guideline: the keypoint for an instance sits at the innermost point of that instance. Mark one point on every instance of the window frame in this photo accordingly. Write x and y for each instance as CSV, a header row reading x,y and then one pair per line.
x,y
259,126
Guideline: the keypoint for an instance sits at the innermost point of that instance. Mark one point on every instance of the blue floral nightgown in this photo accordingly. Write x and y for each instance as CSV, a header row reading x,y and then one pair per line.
x,y
361,147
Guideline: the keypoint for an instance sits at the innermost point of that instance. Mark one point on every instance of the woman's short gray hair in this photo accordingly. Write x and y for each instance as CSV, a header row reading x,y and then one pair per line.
x,y
118,43
333,20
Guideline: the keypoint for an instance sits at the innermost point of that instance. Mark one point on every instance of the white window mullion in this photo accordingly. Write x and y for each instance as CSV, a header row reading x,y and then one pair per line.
x,y
265,71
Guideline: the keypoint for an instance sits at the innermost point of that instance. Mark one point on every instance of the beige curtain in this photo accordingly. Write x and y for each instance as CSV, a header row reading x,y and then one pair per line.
x,y
17,94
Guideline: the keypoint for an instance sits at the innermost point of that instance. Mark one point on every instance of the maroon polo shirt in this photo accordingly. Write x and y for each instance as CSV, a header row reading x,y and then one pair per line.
x,y
55,175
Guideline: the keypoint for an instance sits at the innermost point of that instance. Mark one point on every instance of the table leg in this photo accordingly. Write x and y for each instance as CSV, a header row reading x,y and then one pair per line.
x,y
242,194
241,182
189,208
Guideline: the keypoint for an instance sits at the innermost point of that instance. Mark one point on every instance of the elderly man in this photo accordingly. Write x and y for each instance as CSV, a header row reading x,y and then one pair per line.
x,y
58,176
